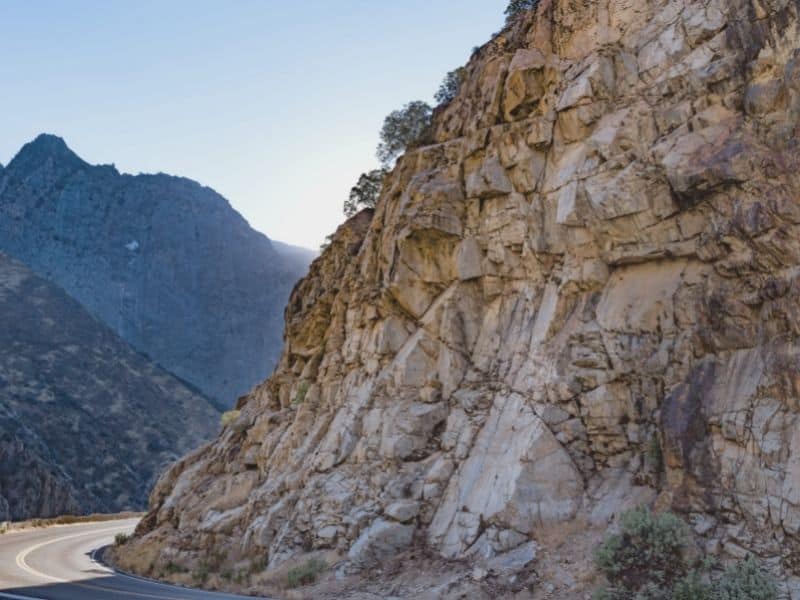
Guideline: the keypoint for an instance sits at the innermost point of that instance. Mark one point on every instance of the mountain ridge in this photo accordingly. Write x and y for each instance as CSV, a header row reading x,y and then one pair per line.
x,y
165,261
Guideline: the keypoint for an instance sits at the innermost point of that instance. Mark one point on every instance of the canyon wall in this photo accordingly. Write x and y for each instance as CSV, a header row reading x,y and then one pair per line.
x,y
580,297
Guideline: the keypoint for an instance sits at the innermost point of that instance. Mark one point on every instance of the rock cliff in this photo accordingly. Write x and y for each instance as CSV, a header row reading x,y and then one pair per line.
x,y
582,296
165,262
86,423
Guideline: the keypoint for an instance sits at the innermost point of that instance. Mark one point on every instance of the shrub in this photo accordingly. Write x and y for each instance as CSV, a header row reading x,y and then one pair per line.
x,y
655,456
516,7
172,568
366,192
745,581
302,390
450,85
200,574
692,587
229,417
649,549
121,539
649,560
305,574
402,129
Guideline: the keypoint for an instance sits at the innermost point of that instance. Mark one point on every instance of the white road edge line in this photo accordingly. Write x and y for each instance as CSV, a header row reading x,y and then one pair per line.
x,y
20,560
31,571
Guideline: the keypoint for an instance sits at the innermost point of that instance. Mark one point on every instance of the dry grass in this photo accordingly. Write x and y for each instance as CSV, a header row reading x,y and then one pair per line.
x,y
67,520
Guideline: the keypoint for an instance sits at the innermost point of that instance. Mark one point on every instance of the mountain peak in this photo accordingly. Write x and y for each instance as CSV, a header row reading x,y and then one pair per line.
x,y
45,147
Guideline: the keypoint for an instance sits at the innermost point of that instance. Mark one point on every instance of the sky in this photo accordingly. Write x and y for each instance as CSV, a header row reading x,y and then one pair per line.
x,y
276,105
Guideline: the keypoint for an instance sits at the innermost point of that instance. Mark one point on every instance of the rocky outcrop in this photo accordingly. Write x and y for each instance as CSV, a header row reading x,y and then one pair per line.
x,y
86,423
163,261
580,298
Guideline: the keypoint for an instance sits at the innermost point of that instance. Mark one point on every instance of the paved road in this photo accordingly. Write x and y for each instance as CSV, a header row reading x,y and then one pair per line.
x,y
58,563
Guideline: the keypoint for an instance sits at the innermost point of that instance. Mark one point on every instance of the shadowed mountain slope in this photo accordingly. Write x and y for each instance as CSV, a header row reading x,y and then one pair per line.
x,y
86,422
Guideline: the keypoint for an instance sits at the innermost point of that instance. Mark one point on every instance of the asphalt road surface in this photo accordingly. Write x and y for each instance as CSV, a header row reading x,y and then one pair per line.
x,y
59,563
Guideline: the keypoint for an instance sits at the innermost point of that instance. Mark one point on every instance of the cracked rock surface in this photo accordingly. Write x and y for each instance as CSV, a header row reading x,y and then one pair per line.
x,y
582,295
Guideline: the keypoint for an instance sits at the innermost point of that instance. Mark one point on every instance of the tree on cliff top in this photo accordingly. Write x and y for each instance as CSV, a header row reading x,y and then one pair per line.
x,y
365,193
516,7
402,129
450,85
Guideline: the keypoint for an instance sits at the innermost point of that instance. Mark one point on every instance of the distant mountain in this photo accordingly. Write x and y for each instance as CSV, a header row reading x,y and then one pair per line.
x,y
302,257
164,261
86,422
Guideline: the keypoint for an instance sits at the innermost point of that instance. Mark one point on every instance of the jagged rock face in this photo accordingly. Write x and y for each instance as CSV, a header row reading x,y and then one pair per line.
x,y
86,422
165,262
582,297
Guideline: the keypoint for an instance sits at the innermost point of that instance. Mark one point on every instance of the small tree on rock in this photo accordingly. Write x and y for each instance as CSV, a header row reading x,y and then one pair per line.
x,y
402,129
450,85
516,7
365,193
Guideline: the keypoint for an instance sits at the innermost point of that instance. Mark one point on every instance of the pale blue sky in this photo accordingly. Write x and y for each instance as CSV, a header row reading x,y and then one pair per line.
x,y
276,105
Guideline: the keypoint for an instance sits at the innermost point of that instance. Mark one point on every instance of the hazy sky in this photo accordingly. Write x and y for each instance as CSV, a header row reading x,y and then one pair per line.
x,y
276,105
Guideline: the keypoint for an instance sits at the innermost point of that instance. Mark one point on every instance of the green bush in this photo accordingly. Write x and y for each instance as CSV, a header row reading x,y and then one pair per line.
x,y
692,587
745,581
649,560
229,417
121,538
649,549
305,574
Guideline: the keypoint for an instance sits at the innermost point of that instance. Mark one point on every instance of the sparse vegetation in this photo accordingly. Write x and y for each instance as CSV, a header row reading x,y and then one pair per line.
x,y
305,574
257,565
366,192
692,587
302,390
403,129
450,85
745,581
324,245
172,568
229,417
72,519
200,574
121,539
650,559
655,457
517,7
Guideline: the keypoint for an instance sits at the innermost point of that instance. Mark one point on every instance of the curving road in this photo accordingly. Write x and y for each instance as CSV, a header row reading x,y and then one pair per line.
x,y
59,563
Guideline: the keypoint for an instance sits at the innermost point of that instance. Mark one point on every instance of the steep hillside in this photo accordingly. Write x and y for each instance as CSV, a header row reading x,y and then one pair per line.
x,y
582,297
165,262
86,423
